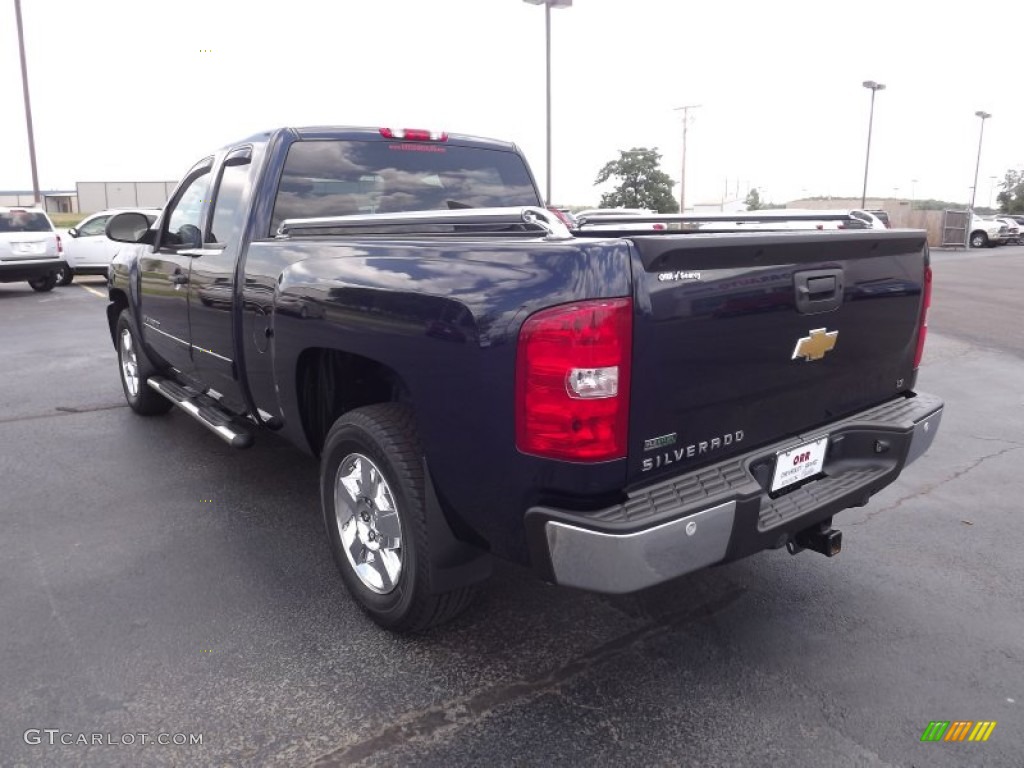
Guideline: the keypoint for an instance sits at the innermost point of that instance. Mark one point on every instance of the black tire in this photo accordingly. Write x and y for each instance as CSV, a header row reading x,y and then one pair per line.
x,y
979,239
143,400
386,435
65,275
45,283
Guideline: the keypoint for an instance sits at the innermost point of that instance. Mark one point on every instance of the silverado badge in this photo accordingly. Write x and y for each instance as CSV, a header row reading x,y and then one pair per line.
x,y
815,346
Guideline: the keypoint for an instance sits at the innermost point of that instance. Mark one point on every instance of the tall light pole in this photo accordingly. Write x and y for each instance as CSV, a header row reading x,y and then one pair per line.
x,y
28,104
548,5
974,190
682,180
875,88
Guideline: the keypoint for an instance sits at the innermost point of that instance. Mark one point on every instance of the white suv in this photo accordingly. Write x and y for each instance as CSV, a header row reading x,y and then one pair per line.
x,y
88,250
30,249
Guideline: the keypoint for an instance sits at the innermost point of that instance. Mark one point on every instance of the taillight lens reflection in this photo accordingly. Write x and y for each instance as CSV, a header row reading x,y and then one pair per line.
x,y
572,381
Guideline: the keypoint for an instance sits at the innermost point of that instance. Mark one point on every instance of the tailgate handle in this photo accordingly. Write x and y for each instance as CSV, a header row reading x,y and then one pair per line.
x,y
819,285
818,290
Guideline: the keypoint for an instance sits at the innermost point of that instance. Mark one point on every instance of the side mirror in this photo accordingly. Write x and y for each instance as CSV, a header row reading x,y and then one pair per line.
x,y
73,232
129,227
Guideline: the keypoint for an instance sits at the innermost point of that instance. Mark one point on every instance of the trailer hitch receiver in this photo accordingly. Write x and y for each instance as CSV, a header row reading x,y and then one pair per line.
x,y
819,538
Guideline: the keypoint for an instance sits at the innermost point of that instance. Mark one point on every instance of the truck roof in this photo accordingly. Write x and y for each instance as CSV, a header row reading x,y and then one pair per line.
x,y
364,133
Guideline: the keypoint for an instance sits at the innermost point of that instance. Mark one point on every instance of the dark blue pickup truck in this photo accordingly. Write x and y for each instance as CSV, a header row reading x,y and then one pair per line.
x,y
613,409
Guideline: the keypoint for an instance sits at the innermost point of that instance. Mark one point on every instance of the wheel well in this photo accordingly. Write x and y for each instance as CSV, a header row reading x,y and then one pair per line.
x,y
330,383
118,303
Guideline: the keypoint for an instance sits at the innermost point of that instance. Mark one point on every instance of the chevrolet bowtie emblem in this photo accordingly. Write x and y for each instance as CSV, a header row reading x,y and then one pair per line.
x,y
815,346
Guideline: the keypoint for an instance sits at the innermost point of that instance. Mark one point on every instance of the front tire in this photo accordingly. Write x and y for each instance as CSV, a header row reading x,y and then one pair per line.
x,y
372,493
135,369
45,283
65,275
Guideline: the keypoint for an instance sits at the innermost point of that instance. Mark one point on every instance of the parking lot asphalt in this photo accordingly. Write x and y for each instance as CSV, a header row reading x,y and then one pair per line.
x,y
153,580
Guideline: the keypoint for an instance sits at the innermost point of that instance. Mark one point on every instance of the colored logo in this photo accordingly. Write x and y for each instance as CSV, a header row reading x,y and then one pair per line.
x,y
816,345
958,730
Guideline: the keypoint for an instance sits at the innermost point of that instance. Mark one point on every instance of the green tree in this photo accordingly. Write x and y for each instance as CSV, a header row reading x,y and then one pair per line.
x,y
754,202
641,183
1011,199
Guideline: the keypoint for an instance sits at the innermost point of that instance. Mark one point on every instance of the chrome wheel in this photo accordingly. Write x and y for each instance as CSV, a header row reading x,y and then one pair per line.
x,y
129,363
368,524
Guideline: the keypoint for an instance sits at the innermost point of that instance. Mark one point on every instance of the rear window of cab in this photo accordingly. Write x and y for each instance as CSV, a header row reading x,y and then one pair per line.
x,y
347,177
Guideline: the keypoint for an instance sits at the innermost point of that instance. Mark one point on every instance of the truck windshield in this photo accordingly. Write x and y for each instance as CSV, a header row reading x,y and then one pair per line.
x,y
24,221
345,177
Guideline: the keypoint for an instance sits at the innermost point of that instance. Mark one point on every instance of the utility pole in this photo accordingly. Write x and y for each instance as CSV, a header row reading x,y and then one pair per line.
x,y
875,88
28,104
682,181
548,5
974,190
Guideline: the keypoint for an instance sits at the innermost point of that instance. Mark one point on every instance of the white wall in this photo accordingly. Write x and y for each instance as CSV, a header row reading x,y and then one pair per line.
x,y
99,195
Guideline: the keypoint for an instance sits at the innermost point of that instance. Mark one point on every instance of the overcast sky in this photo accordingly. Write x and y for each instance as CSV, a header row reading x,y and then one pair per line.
x,y
124,90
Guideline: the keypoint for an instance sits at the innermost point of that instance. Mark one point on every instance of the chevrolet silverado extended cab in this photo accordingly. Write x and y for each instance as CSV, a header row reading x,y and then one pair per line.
x,y
611,409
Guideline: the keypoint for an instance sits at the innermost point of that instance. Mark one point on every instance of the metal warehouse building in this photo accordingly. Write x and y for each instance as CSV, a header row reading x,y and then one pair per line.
x,y
99,195
53,201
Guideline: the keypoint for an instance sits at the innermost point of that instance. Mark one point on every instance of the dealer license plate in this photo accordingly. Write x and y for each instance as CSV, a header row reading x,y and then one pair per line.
x,y
799,463
29,249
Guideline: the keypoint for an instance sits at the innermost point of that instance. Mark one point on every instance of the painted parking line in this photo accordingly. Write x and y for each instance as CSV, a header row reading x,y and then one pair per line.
x,y
93,291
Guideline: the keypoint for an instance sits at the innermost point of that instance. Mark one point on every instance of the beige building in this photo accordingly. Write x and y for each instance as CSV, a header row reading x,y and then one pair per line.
x,y
53,201
901,213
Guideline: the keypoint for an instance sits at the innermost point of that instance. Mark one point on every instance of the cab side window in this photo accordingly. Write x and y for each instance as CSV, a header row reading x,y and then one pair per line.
x,y
183,224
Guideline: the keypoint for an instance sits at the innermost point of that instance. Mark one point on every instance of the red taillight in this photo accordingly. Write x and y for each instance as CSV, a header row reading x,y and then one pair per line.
x,y
659,227
926,302
413,134
572,381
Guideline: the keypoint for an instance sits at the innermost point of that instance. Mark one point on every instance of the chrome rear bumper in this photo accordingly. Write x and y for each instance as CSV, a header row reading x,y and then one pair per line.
x,y
654,537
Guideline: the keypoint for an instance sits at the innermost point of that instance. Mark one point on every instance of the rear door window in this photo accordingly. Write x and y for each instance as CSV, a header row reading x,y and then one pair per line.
x,y
228,202
345,177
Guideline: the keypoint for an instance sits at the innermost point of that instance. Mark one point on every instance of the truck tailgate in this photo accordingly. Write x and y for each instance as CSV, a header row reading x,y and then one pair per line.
x,y
741,340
